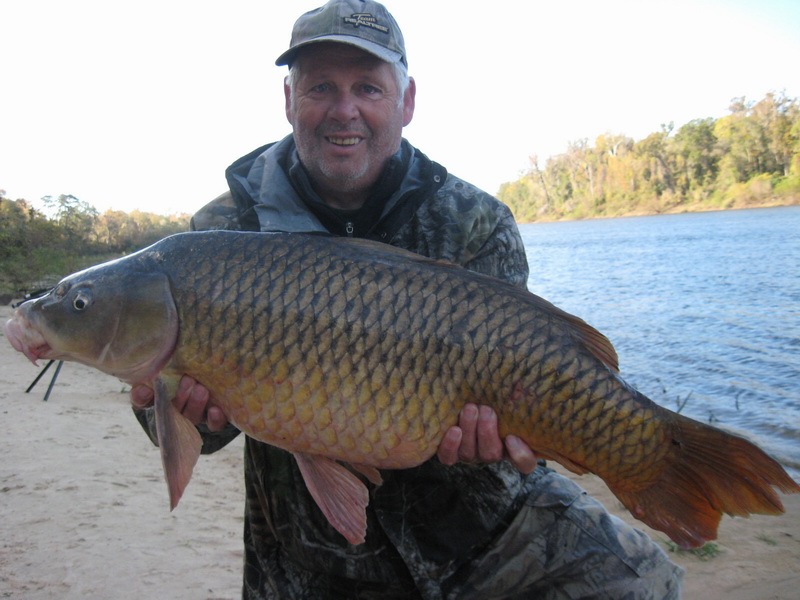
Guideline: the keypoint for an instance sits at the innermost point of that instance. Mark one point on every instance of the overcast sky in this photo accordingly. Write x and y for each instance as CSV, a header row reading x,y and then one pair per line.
x,y
144,104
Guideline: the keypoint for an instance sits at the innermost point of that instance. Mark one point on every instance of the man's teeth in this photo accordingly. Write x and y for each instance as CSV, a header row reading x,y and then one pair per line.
x,y
351,141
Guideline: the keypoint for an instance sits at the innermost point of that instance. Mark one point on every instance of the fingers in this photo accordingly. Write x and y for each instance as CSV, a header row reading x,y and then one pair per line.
x,y
468,422
520,454
490,446
481,442
448,449
141,396
477,439
192,400
215,418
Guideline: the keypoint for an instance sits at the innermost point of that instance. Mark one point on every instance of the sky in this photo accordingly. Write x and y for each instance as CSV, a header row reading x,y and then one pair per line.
x,y
142,105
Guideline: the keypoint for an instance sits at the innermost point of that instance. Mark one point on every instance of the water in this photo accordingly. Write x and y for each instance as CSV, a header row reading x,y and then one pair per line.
x,y
701,306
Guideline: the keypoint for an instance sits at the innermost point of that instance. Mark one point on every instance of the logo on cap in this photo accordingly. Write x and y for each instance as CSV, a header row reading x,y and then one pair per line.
x,y
365,19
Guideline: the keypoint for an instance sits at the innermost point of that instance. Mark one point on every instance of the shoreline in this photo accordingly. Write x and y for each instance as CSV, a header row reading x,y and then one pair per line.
x,y
674,210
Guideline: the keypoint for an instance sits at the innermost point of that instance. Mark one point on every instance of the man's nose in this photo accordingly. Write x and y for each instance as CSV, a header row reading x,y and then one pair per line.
x,y
344,108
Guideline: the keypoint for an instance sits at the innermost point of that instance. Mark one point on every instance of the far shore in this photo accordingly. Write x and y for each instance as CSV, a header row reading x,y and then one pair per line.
x,y
679,209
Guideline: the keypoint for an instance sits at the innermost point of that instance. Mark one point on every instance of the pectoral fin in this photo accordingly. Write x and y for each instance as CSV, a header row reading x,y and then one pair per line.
x,y
339,494
178,439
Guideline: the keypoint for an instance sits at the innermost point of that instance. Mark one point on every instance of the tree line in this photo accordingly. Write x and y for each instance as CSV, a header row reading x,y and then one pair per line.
x,y
750,157
38,247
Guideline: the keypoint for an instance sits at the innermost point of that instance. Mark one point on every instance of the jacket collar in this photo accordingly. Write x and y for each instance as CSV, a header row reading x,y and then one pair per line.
x,y
272,183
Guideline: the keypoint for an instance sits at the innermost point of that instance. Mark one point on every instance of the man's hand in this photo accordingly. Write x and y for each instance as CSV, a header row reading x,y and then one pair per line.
x,y
192,401
476,439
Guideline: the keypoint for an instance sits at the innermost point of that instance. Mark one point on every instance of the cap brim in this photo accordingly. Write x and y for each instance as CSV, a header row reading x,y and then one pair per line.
x,y
375,49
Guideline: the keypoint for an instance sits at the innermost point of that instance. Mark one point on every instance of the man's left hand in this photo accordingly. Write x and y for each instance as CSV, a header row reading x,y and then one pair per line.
x,y
476,439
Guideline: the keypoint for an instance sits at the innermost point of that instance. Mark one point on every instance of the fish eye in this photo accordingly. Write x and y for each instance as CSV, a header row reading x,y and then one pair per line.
x,y
81,301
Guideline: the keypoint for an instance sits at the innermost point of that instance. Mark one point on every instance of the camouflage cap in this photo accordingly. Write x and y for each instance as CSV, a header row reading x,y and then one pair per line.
x,y
361,23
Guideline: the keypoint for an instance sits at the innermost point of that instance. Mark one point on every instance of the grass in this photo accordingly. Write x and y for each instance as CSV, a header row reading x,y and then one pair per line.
x,y
707,551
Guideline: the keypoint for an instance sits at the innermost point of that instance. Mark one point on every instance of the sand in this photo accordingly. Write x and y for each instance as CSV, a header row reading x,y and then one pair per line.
x,y
84,511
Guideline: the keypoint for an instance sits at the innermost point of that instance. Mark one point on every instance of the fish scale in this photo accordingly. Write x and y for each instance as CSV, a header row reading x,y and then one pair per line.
x,y
352,351
441,367
297,294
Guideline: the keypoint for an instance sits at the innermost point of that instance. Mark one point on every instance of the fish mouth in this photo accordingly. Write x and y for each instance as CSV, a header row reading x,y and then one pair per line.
x,y
26,339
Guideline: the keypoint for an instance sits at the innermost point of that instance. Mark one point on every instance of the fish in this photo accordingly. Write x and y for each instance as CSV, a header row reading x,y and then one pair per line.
x,y
356,356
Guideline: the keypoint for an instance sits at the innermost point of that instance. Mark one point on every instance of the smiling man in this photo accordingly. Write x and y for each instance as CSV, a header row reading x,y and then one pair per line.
x,y
481,520
347,109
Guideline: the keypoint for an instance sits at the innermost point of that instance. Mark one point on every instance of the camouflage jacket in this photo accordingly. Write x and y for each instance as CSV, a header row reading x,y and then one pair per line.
x,y
426,524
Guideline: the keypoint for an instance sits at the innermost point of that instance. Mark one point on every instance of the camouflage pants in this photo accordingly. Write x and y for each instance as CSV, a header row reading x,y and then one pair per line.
x,y
562,545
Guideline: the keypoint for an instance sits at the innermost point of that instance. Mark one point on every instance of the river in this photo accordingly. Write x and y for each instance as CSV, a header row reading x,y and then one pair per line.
x,y
703,309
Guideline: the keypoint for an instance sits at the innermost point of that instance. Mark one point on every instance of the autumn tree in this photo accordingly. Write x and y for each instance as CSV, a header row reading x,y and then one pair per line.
x,y
750,156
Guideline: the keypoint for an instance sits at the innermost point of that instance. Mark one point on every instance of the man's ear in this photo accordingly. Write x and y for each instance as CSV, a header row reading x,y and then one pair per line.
x,y
409,100
287,92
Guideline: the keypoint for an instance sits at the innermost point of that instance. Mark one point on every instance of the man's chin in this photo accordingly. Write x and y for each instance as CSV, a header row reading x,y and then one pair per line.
x,y
347,178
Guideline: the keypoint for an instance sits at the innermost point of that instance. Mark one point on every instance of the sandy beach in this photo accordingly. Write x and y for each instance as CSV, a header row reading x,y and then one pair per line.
x,y
84,511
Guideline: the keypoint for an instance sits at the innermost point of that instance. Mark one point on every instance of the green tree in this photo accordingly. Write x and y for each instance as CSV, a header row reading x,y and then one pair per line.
x,y
776,115
75,217
696,147
655,152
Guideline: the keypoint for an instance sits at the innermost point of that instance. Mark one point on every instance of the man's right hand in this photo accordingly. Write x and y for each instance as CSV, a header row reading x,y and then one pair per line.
x,y
192,400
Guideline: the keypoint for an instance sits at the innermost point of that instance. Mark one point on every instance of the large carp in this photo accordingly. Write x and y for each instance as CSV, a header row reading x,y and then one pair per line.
x,y
346,351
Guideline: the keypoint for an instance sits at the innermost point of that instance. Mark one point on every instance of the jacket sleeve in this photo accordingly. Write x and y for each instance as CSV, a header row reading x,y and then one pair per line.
x,y
501,252
465,225
221,213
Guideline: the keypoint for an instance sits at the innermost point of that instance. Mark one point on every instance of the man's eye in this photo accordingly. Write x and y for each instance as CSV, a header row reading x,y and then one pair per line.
x,y
370,90
321,88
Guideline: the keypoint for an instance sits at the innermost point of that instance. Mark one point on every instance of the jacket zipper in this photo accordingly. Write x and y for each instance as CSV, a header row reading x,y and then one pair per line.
x,y
349,228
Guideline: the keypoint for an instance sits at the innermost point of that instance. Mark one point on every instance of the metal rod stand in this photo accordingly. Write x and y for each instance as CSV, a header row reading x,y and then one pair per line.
x,y
52,381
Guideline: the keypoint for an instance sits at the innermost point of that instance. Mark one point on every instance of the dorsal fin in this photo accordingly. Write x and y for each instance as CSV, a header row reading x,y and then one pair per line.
x,y
594,341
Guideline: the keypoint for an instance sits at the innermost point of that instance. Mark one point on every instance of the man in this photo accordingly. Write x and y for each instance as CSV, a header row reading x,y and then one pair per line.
x,y
465,524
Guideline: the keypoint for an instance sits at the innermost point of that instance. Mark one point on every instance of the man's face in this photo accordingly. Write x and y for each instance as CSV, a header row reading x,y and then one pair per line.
x,y
348,115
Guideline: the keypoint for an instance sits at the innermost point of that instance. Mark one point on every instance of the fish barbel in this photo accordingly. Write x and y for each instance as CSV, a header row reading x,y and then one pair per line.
x,y
354,352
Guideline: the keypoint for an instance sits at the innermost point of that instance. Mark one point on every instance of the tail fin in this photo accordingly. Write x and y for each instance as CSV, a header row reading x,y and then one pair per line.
x,y
708,472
